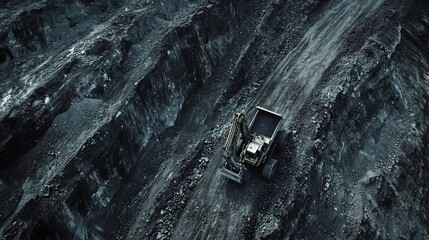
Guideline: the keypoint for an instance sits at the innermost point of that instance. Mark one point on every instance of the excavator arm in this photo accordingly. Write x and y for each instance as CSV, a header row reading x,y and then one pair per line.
x,y
233,168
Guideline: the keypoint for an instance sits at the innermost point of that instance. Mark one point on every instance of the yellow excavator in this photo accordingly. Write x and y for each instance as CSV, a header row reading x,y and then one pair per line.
x,y
256,145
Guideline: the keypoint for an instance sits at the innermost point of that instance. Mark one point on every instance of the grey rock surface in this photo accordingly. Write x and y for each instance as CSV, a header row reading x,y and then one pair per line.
x,y
113,116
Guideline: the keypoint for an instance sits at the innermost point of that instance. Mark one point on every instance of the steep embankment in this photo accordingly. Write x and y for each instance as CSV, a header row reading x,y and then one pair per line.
x,y
113,114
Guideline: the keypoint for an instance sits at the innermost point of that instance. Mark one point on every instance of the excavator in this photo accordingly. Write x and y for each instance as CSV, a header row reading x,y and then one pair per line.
x,y
255,146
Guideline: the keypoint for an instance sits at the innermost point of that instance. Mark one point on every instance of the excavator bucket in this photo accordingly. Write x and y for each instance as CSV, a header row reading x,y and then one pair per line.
x,y
232,175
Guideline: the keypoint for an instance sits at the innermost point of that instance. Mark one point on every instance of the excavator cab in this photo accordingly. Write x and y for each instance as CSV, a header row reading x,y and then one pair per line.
x,y
253,152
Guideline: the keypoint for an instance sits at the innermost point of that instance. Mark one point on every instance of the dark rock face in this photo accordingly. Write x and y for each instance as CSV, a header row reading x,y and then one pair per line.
x,y
113,115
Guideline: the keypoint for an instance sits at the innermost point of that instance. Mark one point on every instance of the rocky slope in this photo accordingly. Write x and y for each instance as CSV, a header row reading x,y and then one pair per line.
x,y
113,114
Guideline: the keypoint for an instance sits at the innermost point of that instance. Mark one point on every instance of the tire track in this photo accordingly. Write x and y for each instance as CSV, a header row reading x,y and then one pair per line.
x,y
294,79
